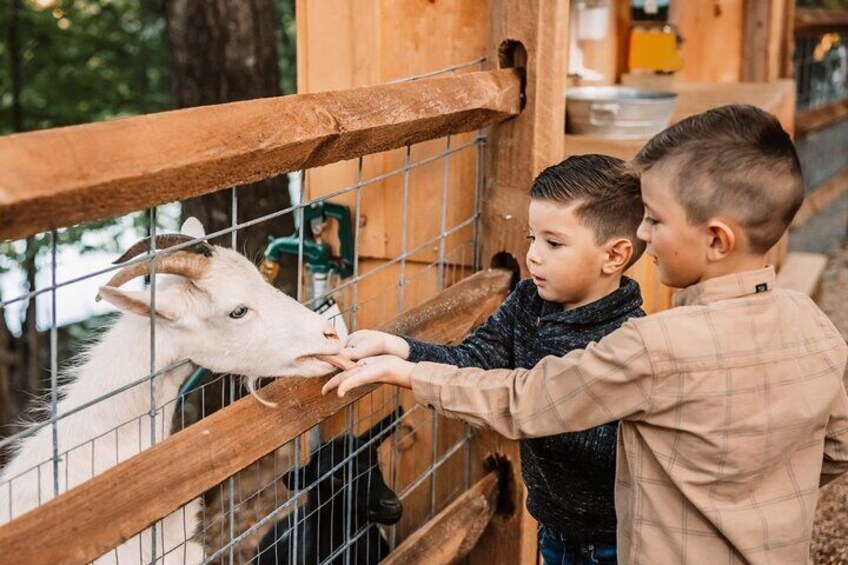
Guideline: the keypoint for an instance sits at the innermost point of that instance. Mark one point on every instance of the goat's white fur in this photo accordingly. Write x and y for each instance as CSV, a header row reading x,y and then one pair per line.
x,y
277,337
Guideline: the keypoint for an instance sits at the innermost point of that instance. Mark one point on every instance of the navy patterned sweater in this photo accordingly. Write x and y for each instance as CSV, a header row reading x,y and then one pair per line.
x,y
570,477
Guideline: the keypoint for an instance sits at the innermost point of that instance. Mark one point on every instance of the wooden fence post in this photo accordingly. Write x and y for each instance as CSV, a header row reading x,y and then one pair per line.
x,y
530,34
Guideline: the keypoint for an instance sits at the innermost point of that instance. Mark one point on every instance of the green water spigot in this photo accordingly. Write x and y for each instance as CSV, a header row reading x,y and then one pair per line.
x,y
316,253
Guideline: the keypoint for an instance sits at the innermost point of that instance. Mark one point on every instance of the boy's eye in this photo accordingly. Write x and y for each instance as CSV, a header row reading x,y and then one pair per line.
x,y
651,221
553,244
531,237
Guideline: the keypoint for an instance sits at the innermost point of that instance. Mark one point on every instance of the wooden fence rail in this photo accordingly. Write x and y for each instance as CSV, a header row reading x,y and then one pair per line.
x,y
82,524
58,177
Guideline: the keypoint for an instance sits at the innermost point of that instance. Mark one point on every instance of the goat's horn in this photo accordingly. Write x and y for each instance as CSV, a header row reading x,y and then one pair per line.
x,y
183,263
164,241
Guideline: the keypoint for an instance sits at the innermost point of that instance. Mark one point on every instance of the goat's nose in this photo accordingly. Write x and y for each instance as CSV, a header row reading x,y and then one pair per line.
x,y
391,504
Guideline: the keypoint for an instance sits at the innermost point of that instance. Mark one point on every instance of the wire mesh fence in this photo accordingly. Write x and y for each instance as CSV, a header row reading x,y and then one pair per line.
x,y
405,227
821,70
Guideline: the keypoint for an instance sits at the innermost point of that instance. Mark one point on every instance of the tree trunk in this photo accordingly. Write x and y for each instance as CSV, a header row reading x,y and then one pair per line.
x,y
225,51
9,364
32,356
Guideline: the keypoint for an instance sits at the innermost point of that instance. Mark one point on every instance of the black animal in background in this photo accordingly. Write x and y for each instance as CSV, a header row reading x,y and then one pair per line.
x,y
323,519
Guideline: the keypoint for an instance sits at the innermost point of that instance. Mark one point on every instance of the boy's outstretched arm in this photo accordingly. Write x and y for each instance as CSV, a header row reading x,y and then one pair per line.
x,y
605,382
490,346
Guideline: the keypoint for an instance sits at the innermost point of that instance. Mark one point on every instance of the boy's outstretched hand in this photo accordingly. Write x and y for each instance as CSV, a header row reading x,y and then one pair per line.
x,y
386,369
369,343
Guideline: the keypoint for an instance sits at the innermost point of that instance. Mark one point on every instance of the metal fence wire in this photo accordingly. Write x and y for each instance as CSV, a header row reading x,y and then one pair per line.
x,y
821,70
346,492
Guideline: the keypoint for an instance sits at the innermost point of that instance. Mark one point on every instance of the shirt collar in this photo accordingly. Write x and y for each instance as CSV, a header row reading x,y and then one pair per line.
x,y
621,302
726,287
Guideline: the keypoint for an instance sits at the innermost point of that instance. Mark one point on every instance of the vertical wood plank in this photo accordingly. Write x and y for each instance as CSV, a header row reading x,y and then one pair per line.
x,y
712,33
766,43
349,43
517,151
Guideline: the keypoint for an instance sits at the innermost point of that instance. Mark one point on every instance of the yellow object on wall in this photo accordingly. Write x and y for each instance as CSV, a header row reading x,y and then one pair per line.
x,y
654,48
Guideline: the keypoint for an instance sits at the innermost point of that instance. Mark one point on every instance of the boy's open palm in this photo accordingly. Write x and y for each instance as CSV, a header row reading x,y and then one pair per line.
x,y
370,343
385,369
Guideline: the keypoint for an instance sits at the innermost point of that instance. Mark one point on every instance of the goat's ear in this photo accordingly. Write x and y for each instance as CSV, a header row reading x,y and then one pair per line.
x,y
138,302
192,227
380,426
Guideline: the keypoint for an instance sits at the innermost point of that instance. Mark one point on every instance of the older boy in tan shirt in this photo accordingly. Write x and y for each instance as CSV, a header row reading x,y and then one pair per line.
x,y
732,404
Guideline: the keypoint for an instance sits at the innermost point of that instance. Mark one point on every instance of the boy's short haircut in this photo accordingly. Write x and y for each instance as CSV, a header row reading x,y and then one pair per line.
x,y
607,193
735,160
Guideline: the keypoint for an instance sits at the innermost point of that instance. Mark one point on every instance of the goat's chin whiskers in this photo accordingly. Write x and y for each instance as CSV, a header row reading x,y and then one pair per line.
x,y
251,387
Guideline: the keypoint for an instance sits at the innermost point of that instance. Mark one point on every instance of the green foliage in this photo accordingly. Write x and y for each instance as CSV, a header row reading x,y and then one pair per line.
x,y
85,60
90,60
286,46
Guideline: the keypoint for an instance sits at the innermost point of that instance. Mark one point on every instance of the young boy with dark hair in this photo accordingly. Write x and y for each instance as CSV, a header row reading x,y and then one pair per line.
x,y
583,217
732,406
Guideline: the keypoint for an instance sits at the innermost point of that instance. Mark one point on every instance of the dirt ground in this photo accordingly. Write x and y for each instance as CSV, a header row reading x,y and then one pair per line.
x,y
830,532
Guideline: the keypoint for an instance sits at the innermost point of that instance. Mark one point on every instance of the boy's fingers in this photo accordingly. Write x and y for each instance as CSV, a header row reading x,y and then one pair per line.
x,y
354,382
331,384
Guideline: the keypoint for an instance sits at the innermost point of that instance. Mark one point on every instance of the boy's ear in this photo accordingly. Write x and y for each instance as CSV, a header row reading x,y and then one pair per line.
x,y
721,239
619,252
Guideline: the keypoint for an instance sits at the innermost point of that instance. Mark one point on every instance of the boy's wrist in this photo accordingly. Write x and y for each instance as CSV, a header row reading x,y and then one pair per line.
x,y
398,347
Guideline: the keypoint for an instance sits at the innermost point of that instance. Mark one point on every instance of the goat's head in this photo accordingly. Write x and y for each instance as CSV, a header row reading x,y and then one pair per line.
x,y
223,314
335,470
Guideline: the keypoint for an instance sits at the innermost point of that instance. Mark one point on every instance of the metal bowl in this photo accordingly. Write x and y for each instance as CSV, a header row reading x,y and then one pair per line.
x,y
618,112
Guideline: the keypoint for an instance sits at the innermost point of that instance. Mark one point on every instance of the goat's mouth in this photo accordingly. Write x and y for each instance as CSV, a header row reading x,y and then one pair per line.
x,y
338,361
387,512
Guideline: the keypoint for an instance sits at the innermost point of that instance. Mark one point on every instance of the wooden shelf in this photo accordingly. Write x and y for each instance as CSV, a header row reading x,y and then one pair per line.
x,y
813,21
809,121
777,97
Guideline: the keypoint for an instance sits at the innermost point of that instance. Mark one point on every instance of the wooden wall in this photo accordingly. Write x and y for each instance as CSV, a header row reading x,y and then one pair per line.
x,y
352,43
723,40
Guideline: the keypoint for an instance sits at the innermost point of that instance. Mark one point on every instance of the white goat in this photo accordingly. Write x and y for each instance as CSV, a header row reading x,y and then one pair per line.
x,y
219,313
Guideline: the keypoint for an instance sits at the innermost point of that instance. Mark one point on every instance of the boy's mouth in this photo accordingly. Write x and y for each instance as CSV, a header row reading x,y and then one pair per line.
x,y
537,280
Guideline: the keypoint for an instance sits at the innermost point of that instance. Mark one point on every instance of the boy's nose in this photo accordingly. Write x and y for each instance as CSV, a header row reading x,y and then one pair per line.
x,y
642,232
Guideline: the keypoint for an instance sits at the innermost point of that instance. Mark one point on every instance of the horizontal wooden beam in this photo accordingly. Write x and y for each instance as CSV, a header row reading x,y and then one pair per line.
x,y
813,21
89,520
826,194
454,531
58,177
810,121
802,272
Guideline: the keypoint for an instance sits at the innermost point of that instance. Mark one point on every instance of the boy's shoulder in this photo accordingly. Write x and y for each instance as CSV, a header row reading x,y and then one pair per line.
x,y
746,330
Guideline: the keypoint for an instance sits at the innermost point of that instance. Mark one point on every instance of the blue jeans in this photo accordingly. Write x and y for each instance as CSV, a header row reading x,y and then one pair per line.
x,y
557,550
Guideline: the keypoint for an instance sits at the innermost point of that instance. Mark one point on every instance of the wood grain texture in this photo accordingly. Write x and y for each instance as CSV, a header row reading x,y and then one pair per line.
x,y
713,38
802,272
355,43
810,121
818,201
813,21
516,153
87,521
58,177
454,531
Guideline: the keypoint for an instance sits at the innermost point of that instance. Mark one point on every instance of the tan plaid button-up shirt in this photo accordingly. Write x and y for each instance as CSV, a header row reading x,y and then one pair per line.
x,y
732,409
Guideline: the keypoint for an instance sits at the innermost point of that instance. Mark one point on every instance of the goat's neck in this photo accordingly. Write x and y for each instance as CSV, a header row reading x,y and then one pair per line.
x,y
120,359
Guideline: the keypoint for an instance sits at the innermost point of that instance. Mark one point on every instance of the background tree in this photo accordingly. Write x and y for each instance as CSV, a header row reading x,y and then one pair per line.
x,y
226,51
66,62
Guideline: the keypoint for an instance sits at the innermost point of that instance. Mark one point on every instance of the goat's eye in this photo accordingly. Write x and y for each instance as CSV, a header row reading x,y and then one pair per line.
x,y
238,312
